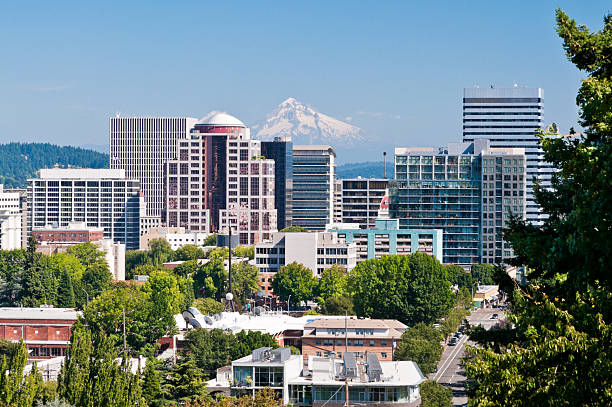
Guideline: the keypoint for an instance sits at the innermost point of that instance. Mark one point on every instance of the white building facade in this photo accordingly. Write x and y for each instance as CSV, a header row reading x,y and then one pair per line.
x,y
509,117
141,146
102,198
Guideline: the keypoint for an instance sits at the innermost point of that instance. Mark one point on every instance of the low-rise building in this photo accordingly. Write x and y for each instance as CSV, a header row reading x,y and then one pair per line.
x,y
387,238
315,250
177,237
45,330
10,229
326,381
324,337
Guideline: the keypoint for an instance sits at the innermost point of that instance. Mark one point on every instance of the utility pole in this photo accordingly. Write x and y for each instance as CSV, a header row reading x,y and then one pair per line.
x,y
345,332
385,164
229,297
124,341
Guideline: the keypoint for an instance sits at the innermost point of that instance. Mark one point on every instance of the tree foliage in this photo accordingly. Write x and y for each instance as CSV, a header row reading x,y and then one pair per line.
x,y
433,394
293,229
337,305
459,277
559,349
412,288
421,344
332,283
17,390
296,281
483,274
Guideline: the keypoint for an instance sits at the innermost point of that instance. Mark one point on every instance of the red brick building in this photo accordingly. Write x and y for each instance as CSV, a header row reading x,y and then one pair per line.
x,y
74,233
46,331
379,336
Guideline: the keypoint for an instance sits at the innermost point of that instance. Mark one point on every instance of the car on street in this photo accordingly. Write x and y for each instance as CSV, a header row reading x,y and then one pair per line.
x,y
494,316
452,342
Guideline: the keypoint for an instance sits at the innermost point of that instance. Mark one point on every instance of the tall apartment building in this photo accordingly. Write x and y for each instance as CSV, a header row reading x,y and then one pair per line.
x,y
361,199
444,188
219,179
313,186
337,213
141,146
509,117
103,198
281,151
13,209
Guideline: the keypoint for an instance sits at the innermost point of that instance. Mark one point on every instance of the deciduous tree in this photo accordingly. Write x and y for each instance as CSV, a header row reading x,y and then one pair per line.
x,y
296,281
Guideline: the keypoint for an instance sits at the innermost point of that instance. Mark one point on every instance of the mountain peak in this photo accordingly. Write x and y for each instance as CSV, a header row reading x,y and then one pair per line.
x,y
306,125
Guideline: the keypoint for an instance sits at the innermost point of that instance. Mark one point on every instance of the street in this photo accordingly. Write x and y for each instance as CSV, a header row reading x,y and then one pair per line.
x,y
450,373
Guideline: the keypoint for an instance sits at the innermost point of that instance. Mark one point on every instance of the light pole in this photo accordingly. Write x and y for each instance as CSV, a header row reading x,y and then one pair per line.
x,y
288,308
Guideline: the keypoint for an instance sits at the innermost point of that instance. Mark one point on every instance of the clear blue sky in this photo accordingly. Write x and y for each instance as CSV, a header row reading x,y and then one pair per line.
x,y
396,68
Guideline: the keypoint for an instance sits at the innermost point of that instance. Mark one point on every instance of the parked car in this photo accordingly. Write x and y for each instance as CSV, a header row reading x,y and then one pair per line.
x,y
452,342
494,316
458,335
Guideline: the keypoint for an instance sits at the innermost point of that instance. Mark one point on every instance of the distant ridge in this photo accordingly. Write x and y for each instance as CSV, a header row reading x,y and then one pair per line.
x,y
369,169
20,161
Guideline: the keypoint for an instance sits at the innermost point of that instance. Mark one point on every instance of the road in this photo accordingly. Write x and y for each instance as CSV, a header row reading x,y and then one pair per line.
x,y
450,373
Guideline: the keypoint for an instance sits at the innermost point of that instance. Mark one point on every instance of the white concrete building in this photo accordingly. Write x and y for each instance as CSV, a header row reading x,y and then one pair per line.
x,y
99,197
10,229
315,250
176,237
509,117
14,201
141,146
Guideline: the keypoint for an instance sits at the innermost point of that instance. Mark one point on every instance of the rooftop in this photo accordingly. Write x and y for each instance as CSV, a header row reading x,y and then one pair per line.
x,y
220,119
68,314
357,323
81,173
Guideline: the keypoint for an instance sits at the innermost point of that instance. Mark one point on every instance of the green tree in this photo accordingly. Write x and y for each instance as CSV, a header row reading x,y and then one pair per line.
x,y
337,305
294,229
218,253
412,288
561,352
210,240
185,286
208,306
189,252
65,291
12,267
296,281
186,381
483,274
332,283
133,259
187,268
165,299
210,279
15,389
91,375
244,251
152,384
160,251
39,283
244,281
459,277
66,261
96,279
421,344
433,394
144,270
88,254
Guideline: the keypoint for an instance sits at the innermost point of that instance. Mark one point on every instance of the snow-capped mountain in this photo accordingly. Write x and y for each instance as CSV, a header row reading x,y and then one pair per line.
x,y
305,125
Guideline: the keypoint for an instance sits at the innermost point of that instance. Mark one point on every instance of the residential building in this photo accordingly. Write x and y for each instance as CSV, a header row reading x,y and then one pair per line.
x,y
325,337
10,229
281,151
219,180
387,238
510,117
313,186
102,198
337,216
326,381
315,250
361,199
141,146
177,237
14,201
443,188
45,331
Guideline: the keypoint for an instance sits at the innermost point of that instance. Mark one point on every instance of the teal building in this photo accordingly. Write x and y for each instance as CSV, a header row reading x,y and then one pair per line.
x,y
388,238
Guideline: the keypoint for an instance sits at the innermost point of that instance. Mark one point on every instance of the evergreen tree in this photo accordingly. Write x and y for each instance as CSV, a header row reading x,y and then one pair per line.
x,y
186,381
151,384
39,283
15,389
65,291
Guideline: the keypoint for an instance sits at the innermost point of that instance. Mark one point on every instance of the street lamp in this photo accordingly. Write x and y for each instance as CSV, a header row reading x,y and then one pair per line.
x,y
288,299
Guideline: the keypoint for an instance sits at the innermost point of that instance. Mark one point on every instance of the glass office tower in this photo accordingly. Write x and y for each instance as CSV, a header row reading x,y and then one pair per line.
x,y
442,188
281,151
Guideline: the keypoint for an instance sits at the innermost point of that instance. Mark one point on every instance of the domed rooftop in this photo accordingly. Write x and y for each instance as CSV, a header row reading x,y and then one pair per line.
x,y
220,119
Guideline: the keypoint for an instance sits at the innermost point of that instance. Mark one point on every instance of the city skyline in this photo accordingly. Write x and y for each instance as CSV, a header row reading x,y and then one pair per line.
x,y
380,77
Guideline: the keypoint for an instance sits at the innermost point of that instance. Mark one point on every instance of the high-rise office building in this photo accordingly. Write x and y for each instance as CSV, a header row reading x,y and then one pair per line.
x,y
220,178
313,186
281,151
469,190
102,198
509,117
361,199
141,146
